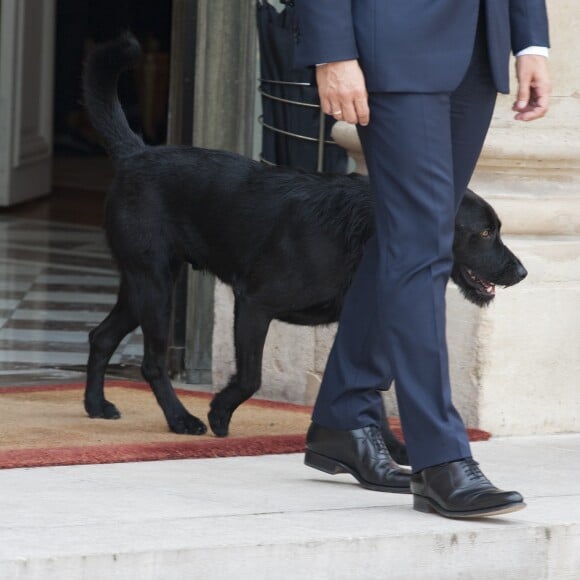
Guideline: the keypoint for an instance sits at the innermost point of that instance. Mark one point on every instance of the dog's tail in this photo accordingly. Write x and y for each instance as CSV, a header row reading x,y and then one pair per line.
x,y
103,67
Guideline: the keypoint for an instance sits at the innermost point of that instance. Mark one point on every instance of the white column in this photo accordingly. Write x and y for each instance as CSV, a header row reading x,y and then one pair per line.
x,y
526,366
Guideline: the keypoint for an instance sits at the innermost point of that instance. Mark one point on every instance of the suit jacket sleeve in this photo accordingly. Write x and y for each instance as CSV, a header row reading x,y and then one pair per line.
x,y
325,32
529,24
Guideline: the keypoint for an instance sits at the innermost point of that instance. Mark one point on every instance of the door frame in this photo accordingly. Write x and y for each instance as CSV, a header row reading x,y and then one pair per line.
x,y
180,132
222,36
25,133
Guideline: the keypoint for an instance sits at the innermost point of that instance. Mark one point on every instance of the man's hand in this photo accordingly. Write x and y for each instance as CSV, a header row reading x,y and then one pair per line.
x,y
534,87
342,91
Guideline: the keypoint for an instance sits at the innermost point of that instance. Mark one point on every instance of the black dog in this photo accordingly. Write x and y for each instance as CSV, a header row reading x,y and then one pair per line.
x,y
288,243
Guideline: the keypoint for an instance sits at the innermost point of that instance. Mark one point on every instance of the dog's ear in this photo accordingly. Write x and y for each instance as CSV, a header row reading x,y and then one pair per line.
x,y
470,195
470,203
474,199
473,210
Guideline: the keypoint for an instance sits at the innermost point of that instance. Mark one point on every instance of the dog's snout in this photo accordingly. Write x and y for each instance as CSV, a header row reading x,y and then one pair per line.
x,y
521,272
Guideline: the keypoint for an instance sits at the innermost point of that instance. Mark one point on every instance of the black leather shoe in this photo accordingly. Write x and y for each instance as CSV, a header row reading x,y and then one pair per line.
x,y
360,452
460,490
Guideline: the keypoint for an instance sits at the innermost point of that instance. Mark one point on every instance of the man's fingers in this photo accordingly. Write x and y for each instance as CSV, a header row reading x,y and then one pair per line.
x,y
325,105
362,110
340,85
336,110
348,112
533,112
352,110
540,109
530,115
538,104
331,106
533,96
544,102
523,97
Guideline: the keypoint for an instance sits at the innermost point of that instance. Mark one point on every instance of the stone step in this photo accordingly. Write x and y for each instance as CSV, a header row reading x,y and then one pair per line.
x,y
531,202
538,196
273,518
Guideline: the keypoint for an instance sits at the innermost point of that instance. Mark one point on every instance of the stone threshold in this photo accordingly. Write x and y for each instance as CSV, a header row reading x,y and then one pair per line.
x,y
271,517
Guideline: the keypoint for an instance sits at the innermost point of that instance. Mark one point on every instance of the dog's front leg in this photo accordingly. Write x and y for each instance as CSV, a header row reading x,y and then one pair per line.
x,y
250,329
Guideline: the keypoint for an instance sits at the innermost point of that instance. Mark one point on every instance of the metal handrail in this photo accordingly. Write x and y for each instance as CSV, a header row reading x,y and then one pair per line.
x,y
322,125
295,135
291,83
264,160
290,102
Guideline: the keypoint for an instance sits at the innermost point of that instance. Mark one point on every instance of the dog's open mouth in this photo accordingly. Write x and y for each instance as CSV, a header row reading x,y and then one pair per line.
x,y
479,284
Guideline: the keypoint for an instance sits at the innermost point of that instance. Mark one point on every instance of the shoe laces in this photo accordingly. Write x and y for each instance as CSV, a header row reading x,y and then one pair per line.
x,y
471,469
379,442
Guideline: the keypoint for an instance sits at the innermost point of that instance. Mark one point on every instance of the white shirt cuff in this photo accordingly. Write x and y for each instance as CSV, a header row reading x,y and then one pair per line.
x,y
537,50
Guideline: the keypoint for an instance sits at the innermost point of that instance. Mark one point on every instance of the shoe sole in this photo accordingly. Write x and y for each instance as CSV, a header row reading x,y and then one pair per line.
x,y
334,467
429,506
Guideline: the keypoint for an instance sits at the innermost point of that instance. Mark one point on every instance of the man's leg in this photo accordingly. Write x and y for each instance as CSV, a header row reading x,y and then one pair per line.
x,y
358,363
394,314
472,105
357,366
459,488
400,320
408,148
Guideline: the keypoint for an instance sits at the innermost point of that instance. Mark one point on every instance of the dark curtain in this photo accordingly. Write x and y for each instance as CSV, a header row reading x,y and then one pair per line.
x,y
276,33
81,21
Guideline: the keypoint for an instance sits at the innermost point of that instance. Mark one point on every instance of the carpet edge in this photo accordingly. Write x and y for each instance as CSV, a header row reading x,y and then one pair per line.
x,y
125,453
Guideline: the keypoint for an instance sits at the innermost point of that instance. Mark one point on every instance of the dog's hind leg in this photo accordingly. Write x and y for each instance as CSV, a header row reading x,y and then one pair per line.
x,y
104,340
154,312
250,329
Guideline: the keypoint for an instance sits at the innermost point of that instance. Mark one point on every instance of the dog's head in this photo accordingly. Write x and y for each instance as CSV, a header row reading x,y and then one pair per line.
x,y
481,260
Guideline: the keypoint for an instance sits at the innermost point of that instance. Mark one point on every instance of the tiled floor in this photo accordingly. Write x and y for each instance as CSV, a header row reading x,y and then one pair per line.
x,y
57,282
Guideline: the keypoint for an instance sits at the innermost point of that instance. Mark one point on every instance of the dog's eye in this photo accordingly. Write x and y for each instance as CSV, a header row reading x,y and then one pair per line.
x,y
485,234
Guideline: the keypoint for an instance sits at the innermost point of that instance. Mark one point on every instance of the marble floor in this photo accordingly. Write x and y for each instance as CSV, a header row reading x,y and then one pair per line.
x,y
57,281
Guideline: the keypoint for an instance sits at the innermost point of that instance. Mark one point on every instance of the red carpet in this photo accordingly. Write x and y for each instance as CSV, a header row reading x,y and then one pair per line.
x,y
47,425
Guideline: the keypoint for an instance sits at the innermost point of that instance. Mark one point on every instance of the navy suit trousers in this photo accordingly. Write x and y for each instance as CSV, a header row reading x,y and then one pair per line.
x,y
421,150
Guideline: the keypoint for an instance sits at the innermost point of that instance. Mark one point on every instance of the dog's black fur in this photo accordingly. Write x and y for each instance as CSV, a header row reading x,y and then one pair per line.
x,y
288,243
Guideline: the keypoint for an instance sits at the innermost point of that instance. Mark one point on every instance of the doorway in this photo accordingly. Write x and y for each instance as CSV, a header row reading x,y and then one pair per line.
x,y
58,278
81,171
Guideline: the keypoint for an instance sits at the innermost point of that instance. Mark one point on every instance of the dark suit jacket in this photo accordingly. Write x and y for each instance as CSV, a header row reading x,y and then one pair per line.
x,y
416,45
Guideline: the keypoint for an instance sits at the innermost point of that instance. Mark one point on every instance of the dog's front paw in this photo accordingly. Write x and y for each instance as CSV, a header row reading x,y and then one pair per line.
x,y
219,421
188,425
102,410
